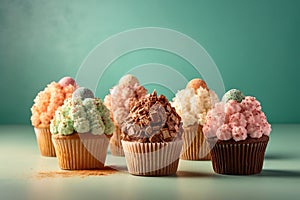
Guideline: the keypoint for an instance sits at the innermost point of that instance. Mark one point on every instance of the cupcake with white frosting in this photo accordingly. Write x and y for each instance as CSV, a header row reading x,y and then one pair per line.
x,y
192,104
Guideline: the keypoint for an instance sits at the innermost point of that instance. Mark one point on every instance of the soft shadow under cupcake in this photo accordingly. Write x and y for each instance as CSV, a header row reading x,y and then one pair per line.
x,y
190,174
279,173
281,156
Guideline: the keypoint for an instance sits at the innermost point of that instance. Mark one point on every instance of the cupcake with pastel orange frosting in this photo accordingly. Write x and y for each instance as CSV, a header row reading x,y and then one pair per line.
x,y
192,104
43,110
238,132
119,101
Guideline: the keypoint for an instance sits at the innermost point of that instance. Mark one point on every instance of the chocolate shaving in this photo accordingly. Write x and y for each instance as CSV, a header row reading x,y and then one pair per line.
x,y
155,138
165,133
152,119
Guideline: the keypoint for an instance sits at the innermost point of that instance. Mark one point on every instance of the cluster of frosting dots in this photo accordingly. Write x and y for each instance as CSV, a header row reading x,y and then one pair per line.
x,y
82,113
123,96
237,117
48,100
193,102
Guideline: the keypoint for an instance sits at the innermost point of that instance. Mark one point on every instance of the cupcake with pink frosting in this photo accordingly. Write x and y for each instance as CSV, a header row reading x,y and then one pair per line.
x,y
120,100
238,132
43,111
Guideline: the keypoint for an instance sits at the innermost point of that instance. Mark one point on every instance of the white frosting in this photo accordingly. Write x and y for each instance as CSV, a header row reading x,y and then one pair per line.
x,y
193,106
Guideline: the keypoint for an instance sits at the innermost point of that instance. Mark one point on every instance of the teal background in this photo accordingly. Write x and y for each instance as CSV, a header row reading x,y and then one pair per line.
x,y
255,45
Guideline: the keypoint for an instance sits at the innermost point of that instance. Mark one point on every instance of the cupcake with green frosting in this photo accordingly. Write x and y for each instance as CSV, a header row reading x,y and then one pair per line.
x,y
81,129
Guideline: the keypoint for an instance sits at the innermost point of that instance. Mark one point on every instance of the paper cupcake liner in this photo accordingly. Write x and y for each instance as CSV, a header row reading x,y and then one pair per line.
x,y
115,143
43,137
239,158
152,159
195,146
84,151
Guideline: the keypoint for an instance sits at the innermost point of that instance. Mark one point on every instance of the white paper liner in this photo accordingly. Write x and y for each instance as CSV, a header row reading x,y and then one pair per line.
x,y
152,159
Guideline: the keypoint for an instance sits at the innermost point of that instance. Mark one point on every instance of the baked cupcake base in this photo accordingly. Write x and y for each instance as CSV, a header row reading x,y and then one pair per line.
x,y
84,151
115,144
238,158
152,159
43,137
195,146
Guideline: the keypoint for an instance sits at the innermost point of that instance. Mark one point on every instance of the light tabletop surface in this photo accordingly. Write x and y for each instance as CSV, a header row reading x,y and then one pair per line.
x,y
21,163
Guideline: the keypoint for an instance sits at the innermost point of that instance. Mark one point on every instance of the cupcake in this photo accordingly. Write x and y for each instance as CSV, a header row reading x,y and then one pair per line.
x,y
192,104
151,137
119,101
81,129
238,133
43,110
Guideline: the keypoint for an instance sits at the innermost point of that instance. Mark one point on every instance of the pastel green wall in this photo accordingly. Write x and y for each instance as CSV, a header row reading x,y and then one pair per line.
x,y
254,43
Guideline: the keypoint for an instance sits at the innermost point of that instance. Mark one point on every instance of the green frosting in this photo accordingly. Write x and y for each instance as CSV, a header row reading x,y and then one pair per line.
x,y
65,127
81,116
233,94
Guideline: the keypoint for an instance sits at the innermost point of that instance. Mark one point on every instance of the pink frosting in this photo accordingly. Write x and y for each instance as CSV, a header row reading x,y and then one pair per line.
x,y
209,130
224,132
251,104
237,120
239,133
124,95
232,107
267,128
249,116
255,130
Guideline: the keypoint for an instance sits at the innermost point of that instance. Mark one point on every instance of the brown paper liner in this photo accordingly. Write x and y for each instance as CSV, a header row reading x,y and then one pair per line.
x,y
43,137
152,159
115,144
195,146
239,158
84,151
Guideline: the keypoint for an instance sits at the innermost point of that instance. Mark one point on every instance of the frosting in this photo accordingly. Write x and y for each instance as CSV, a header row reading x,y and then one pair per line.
x,y
107,103
123,96
232,107
233,94
224,132
65,81
152,119
193,103
81,116
239,133
196,83
48,100
82,93
237,120
251,104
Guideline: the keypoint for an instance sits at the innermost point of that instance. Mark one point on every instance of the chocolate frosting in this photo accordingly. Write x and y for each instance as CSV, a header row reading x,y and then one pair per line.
x,y
152,119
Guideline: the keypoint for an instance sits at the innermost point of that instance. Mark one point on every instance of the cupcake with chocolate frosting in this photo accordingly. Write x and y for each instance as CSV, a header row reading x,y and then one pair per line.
x,y
151,137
